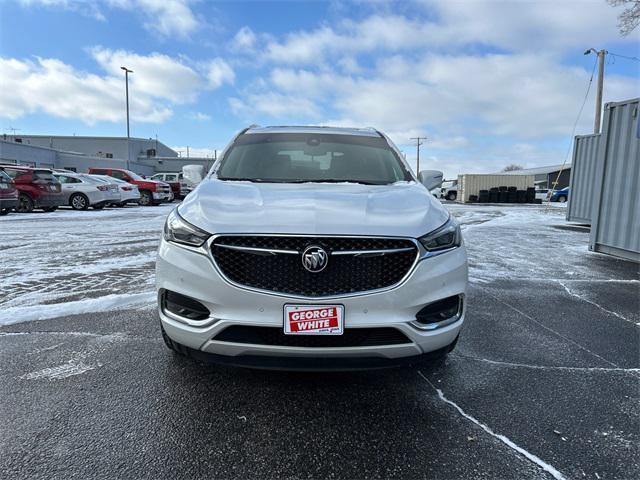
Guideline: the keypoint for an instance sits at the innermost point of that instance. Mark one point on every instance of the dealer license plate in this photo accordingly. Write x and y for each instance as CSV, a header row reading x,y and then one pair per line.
x,y
314,319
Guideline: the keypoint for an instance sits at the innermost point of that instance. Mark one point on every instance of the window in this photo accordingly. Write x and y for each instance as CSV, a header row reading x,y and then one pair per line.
x,y
170,177
157,176
310,157
98,171
118,174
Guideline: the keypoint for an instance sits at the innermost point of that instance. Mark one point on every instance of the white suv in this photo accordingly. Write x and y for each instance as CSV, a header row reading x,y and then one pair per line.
x,y
312,248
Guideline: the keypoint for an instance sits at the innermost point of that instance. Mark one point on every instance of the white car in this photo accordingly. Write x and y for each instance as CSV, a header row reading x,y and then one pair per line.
x,y
129,193
543,194
81,191
312,248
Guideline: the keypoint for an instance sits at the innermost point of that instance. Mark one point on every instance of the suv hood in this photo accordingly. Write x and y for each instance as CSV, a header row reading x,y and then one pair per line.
x,y
404,209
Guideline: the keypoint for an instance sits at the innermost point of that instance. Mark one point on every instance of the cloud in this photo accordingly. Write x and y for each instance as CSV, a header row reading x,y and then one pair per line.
x,y
505,24
157,84
156,74
199,116
51,86
219,72
274,105
244,40
168,18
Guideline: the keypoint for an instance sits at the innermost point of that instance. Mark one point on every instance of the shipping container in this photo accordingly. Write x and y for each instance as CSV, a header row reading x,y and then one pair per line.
x,y
583,178
471,183
615,217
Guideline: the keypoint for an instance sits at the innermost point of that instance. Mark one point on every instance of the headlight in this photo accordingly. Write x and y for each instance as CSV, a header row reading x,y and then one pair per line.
x,y
447,236
177,230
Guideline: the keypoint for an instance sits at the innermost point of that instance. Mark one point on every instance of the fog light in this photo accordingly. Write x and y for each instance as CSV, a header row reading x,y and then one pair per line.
x,y
439,314
184,306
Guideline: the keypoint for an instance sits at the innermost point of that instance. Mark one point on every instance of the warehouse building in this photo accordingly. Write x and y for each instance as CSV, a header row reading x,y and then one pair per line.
x,y
79,153
545,177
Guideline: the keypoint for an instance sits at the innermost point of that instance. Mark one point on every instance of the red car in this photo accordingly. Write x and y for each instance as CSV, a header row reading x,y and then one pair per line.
x,y
152,192
8,193
37,188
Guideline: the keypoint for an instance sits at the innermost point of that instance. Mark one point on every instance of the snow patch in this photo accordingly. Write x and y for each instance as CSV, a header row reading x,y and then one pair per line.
x,y
9,316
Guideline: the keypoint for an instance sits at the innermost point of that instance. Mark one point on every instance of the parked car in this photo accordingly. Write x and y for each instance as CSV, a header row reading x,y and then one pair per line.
x,y
560,196
82,191
327,252
542,194
152,192
8,193
449,190
129,192
37,188
173,179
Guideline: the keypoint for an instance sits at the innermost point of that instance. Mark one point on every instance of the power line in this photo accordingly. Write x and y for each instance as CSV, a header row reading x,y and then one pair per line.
x,y
575,125
624,56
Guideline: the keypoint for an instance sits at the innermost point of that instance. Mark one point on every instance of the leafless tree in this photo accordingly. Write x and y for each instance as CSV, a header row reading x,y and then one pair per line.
x,y
512,167
629,19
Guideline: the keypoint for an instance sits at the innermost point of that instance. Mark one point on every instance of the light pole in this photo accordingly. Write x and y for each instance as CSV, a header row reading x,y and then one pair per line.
x,y
126,83
601,54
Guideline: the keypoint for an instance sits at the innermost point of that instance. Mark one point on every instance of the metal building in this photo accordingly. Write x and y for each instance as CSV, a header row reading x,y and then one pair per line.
x,y
78,153
605,182
545,177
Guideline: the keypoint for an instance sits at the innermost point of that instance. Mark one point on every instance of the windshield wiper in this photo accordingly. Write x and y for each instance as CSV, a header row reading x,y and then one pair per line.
x,y
342,180
240,179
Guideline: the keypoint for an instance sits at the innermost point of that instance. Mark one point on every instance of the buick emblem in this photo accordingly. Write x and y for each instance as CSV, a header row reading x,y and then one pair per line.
x,y
314,259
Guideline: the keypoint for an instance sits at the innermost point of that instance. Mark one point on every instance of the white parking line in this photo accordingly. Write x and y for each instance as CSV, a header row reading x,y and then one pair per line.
x,y
530,456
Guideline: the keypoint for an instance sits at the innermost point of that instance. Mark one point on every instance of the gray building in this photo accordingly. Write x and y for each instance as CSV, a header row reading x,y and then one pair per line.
x,y
108,147
545,177
605,182
79,153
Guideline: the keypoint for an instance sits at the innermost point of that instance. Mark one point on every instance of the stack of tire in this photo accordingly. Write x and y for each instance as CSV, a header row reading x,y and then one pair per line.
x,y
505,195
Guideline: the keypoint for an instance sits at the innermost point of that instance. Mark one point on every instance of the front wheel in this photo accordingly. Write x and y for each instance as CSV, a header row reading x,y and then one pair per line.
x,y
4,211
562,199
25,204
146,199
452,196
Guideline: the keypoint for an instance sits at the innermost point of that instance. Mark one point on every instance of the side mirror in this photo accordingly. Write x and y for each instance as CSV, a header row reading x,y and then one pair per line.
x,y
430,179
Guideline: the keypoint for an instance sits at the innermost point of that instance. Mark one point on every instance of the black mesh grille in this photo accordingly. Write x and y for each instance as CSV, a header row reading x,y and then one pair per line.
x,y
352,337
284,273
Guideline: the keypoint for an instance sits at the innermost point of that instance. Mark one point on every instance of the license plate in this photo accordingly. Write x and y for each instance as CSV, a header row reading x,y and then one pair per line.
x,y
313,319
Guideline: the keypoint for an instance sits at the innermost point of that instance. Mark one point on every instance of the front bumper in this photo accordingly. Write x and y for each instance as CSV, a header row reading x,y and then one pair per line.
x,y
8,203
192,272
162,196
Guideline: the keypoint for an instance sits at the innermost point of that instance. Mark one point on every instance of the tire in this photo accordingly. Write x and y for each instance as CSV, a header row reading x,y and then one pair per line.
x,y
25,204
50,209
146,199
79,201
562,199
4,211
452,196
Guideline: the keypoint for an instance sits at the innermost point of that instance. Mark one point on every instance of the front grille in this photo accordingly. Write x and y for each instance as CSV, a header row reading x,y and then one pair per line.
x,y
352,337
284,272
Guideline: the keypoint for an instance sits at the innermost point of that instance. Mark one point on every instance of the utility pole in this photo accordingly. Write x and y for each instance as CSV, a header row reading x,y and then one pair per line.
x,y
418,143
601,56
126,83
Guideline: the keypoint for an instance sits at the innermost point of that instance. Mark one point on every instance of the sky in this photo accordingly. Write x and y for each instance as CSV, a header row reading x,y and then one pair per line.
x,y
488,82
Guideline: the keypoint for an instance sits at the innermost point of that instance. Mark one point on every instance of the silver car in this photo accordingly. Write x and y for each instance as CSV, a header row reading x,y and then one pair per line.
x,y
129,193
81,191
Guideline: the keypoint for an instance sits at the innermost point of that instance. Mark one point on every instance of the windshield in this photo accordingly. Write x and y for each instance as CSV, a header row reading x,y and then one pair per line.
x,y
306,157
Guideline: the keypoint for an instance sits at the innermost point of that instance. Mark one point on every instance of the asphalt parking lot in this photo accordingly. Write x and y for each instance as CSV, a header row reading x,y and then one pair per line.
x,y
544,382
